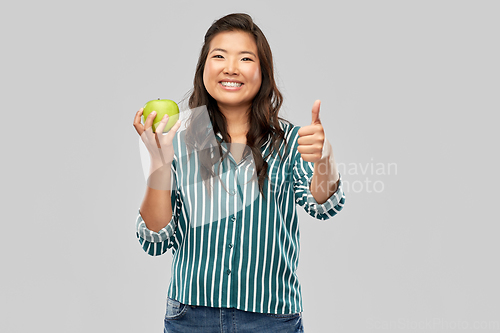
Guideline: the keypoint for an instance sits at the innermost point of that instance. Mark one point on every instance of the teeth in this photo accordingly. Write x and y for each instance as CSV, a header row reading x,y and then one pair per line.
x,y
231,84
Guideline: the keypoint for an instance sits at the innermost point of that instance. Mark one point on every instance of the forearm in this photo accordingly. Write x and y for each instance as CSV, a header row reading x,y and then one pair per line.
x,y
156,208
325,177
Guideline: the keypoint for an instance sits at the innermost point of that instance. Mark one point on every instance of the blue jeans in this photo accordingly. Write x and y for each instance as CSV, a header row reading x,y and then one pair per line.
x,y
182,318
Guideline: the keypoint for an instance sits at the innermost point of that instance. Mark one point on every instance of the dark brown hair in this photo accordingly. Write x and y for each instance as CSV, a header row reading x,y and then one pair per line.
x,y
264,122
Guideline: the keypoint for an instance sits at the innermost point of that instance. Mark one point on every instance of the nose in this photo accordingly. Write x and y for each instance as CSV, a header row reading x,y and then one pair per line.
x,y
231,68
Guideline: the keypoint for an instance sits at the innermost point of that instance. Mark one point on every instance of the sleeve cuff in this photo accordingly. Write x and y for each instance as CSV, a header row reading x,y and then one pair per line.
x,y
331,204
152,236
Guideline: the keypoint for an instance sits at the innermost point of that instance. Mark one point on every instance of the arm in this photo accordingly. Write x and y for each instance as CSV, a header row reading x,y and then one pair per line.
x,y
326,178
315,169
155,222
159,213
303,177
156,208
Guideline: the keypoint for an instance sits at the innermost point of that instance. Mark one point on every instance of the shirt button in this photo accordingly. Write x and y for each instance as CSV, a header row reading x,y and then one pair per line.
x,y
228,271
233,192
230,245
233,218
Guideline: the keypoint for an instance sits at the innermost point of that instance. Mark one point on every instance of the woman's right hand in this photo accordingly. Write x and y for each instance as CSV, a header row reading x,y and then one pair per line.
x,y
159,145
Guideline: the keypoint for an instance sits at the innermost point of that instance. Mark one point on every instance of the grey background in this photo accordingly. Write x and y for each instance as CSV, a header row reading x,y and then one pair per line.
x,y
413,83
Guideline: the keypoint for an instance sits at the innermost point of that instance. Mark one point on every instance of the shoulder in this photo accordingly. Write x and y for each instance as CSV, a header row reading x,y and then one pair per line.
x,y
287,126
291,130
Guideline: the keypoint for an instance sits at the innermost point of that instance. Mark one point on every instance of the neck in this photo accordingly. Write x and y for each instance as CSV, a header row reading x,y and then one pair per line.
x,y
237,118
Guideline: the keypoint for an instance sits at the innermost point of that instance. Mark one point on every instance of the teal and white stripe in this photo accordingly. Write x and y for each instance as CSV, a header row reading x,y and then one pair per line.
x,y
237,249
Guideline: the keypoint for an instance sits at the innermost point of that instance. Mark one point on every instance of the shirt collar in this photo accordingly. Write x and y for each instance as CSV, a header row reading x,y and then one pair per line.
x,y
219,137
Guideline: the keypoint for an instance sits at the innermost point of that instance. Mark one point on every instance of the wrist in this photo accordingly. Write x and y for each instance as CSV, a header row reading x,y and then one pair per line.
x,y
160,176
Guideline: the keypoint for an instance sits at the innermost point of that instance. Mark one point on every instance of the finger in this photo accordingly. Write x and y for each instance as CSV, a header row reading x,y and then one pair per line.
x,y
307,140
137,122
307,130
148,124
315,112
169,136
173,130
308,149
161,125
158,143
310,157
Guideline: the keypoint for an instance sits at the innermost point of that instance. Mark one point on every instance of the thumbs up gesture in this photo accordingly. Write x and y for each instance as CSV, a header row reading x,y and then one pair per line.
x,y
312,137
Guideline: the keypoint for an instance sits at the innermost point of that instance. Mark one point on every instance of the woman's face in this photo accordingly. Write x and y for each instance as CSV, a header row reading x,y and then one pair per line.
x,y
232,73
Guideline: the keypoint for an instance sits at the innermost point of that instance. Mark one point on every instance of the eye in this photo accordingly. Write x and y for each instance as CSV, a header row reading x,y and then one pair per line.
x,y
247,58
218,56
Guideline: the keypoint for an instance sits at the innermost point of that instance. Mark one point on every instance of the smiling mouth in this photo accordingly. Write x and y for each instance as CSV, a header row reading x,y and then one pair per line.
x,y
231,84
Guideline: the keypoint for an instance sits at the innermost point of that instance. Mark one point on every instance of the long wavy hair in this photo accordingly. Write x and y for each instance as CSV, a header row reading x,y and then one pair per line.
x,y
264,119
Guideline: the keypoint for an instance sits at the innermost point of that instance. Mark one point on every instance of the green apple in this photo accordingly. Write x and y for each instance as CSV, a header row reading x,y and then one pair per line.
x,y
162,107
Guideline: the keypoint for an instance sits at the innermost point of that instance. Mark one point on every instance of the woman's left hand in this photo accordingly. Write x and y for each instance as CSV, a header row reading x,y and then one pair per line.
x,y
312,137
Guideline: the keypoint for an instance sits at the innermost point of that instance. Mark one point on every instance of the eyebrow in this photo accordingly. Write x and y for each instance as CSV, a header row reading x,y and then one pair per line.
x,y
242,52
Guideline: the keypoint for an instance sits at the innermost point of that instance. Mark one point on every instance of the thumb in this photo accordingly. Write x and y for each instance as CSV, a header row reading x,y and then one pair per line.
x,y
315,112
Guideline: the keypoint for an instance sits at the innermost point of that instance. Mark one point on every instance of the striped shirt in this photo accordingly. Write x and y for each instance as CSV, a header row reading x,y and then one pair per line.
x,y
234,248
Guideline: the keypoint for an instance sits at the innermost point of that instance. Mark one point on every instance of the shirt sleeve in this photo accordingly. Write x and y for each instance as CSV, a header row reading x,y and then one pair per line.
x,y
302,177
157,243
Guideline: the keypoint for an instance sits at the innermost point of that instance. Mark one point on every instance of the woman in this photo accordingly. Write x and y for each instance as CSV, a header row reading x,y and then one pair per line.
x,y
238,170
